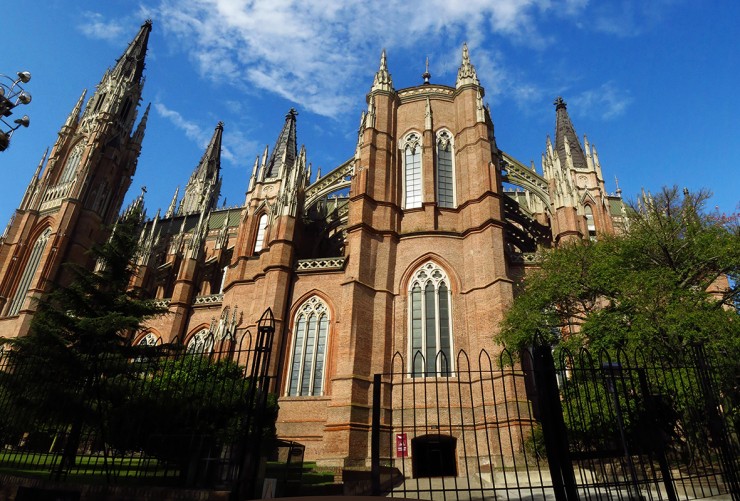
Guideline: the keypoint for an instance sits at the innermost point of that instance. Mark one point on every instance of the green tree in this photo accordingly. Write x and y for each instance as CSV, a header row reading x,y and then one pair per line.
x,y
671,280
669,283
80,335
184,407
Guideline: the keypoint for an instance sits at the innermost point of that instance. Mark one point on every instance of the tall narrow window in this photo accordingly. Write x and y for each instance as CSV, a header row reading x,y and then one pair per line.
x,y
261,229
73,161
590,223
412,171
430,322
445,173
29,271
308,355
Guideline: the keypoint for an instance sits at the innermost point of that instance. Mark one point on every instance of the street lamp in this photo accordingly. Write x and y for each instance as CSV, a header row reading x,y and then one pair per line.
x,y
11,95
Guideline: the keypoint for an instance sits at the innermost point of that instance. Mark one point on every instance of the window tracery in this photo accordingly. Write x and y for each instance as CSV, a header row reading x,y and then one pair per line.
x,y
445,170
412,170
28,272
308,353
430,322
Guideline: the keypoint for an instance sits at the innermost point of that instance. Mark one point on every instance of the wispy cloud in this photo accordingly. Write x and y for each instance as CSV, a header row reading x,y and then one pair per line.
x,y
95,26
607,101
234,146
315,53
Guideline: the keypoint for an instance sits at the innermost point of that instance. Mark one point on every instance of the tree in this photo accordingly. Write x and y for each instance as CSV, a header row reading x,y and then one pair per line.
x,y
80,335
667,285
185,407
670,281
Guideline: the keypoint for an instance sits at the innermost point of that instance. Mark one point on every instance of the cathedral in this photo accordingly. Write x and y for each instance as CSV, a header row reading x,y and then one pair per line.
x,y
412,245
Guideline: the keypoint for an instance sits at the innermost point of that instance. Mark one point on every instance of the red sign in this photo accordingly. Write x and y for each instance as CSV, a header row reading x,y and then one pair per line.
x,y
402,449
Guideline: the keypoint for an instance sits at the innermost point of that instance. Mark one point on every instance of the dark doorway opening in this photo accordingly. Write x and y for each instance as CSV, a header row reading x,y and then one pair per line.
x,y
434,456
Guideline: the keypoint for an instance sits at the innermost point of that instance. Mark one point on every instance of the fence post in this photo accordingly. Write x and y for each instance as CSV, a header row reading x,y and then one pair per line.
x,y
717,427
553,425
256,397
375,438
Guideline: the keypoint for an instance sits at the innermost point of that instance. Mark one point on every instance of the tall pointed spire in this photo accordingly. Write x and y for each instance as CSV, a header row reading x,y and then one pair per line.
x,y
466,73
138,136
285,151
566,141
204,186
131,64
137,204
173,205
119,91
382,79
74,115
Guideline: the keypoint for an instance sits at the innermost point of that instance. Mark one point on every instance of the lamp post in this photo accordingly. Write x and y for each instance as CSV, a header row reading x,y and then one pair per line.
x,y
11,95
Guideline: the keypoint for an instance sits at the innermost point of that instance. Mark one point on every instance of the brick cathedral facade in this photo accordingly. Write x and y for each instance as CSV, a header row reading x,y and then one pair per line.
x,y
413,245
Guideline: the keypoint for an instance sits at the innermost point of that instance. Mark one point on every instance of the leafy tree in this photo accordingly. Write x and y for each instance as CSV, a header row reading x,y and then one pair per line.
x,y
666,285
180,408
670,281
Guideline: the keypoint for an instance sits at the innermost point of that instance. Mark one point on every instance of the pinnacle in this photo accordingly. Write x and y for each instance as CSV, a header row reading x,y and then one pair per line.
x,y
466,73
382,79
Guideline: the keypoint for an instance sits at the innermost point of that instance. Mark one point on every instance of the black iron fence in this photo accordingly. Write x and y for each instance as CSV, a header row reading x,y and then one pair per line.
x,y
644,426
166,416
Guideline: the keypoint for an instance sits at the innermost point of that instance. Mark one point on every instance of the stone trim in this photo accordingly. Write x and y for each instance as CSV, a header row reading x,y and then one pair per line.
x,y
321,264
210,299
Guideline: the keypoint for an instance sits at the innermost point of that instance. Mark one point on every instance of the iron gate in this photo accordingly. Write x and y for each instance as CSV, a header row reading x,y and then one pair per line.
x,y
589,427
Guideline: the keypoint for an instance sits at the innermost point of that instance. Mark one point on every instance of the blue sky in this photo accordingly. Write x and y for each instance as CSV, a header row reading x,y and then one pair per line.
x,y
654,84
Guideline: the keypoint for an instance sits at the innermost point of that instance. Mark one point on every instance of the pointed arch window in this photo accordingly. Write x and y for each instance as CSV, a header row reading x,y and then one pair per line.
x,y
28,272
590,222
308,353
149,340
73,161
430,322
261,230
445,170
412,171
201,343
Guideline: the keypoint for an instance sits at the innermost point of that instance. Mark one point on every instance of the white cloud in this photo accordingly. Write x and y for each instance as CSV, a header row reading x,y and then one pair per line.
x,y
95,26
234,144
607,101
316,53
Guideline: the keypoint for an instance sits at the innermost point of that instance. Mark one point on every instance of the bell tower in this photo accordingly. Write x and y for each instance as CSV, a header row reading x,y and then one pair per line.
x,y
77,190
578,197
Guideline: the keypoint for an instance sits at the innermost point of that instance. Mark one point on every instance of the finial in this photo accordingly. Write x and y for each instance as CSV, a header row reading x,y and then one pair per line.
x,y
559,103
466,73
426,75
382,79
292,113
220,125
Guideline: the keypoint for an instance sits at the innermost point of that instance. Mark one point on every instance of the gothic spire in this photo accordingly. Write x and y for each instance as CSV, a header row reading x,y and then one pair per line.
x,y
285,151
466,73
74,115
119,91
138,136
131,64
173,205
137,204
204,186
566,141
382,79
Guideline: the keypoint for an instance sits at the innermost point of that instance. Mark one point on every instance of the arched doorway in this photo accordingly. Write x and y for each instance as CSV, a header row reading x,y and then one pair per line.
x,y
434,456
